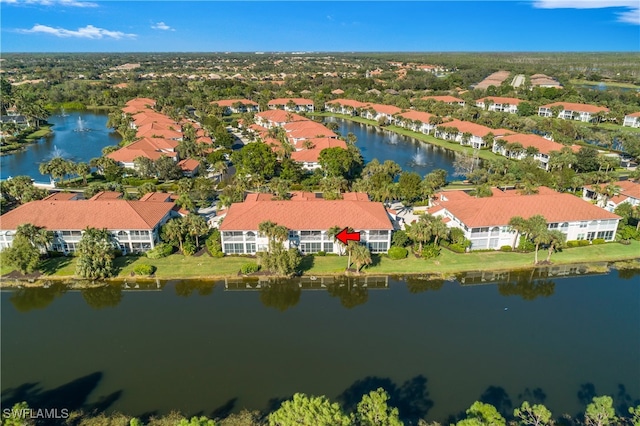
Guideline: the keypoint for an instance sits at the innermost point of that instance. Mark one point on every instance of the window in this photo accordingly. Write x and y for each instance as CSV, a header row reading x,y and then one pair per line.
x,y
378,247
234,248
378,233
250,236
583,224
310,247
607,235
591,236
328,247
580,237
251,247
553,226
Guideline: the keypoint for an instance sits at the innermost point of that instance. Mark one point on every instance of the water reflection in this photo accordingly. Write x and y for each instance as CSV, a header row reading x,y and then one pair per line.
x,y
27,299
283,294
108,296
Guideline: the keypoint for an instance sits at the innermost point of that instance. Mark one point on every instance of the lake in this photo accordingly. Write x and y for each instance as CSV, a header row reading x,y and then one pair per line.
x,y
216,347
67,141
410,154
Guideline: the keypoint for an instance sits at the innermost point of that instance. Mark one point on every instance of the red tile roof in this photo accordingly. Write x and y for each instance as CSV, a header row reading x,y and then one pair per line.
x,y
112,214
349,102
417,115
106,195
634,114
305,213
545,146
467,126
155,130
307,130
570,106
385,109
311,155
188,164
497,211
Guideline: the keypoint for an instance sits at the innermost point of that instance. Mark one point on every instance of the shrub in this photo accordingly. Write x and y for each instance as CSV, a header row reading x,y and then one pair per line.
x,y
144,269
573,243
430,251
397,253
457,248
506,248
583,243
160,251
249,268
188,248
526,246
400,239
213,244
598,241
321,253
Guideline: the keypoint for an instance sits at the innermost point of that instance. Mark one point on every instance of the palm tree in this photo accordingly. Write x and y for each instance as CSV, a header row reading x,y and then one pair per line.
x,y
173,231
195,225
361,256
38,236
556,241
420,231
537,227
439,230
83,169
518,224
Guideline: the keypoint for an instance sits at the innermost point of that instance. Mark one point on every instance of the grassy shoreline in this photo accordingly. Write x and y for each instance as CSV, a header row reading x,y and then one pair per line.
x,y
17,145
445,266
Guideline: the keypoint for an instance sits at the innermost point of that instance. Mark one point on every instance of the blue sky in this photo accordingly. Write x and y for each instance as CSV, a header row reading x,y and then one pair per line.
x,y
416,26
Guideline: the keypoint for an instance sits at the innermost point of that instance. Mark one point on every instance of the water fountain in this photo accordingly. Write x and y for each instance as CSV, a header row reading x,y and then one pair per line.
x,y
63,113
419,159
81,127
56,153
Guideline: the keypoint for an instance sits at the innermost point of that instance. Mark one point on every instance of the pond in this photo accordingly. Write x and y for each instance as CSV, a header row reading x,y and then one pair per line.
x,y
218,347
77,136
410,154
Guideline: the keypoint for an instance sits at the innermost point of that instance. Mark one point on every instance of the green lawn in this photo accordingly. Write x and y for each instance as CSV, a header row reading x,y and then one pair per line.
x,y
42,131
448,263
606,83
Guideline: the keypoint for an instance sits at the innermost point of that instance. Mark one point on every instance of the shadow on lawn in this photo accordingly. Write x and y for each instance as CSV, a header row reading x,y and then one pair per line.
x,y
52,265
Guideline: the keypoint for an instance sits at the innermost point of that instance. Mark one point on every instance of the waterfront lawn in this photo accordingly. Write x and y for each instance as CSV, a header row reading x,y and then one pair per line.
x,y
448,263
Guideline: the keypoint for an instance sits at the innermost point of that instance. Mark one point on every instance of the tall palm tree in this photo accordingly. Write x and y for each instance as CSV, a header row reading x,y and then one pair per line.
x,y
83,169
537,227
420,231
439,230
556,241
195,226
518,224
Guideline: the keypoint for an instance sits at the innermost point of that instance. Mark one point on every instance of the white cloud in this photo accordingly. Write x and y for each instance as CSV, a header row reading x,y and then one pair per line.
x,y
89,31
63,3
162,26
630,16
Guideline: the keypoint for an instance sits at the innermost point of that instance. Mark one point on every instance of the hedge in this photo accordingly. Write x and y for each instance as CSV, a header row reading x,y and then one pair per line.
x,y
397,253
144,269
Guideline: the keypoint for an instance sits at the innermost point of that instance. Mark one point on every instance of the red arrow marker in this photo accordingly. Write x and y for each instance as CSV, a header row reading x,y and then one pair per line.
x,y
344,236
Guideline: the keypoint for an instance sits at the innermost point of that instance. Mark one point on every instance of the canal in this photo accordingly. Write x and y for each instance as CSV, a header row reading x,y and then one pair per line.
x,y
216,347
